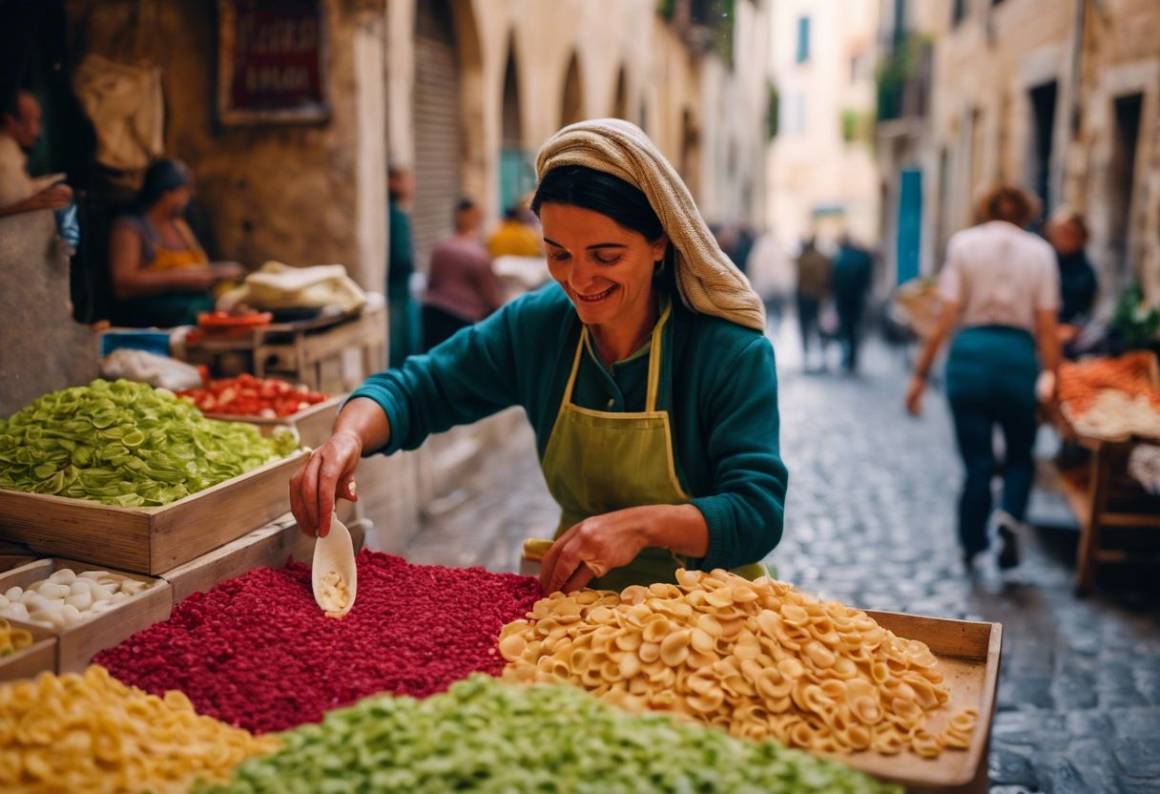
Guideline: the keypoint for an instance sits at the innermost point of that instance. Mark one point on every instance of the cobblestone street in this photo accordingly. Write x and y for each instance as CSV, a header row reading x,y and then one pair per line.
x,y
870,521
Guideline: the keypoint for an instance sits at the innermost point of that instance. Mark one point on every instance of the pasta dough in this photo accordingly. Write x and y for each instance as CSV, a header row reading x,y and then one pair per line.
x,y
759,659
65,599
89,732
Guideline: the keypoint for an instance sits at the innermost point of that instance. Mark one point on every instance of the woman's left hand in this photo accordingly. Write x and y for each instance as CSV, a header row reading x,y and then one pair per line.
x,y
595,546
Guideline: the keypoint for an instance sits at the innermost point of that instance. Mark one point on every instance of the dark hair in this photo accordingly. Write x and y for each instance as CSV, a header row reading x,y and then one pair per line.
x,y
161,177
512,213
10,101
587,188
1004,202
463,205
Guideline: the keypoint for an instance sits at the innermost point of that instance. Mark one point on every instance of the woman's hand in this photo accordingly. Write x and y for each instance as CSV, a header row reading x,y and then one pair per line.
x,y
914,395
327,476
595,546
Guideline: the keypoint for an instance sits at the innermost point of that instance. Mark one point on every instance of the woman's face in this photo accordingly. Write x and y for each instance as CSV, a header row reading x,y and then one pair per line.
x,y
606,269
177,200
1066,236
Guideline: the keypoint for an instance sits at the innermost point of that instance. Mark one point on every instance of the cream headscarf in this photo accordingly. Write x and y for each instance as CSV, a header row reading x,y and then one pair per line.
x,y
708,282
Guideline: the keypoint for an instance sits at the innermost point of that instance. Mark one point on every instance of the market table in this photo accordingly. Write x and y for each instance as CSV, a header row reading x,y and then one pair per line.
x,y
1119,521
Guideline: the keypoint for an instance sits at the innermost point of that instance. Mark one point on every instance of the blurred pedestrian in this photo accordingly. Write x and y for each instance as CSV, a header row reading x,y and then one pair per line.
x,y
159,273
853,270
1000,292
402,313
743,248
514,236
461,287
813,287
1078,284
20,117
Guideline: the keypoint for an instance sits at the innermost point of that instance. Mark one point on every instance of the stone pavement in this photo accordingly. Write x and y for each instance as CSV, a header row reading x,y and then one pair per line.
x,y
870,521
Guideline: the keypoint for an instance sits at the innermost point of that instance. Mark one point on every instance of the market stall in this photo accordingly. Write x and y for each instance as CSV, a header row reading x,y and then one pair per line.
x,y
178,605
1109,409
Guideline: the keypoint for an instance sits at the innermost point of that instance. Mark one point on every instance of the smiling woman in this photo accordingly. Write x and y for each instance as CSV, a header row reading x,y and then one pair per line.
x,y
643,370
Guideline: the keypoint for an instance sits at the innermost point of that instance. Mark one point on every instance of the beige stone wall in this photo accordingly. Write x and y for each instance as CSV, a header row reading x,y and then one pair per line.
x,y
302,194
41,348
606,37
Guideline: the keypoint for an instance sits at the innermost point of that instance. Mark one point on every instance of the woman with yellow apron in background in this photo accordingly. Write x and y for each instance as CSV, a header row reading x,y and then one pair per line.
x,y
160,274
644,371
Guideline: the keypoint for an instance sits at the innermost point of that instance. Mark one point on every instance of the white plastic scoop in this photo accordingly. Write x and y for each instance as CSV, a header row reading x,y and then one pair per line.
x,y
333,575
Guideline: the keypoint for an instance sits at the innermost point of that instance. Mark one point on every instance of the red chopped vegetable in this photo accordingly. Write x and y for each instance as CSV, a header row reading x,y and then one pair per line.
x,y
257,652
246,395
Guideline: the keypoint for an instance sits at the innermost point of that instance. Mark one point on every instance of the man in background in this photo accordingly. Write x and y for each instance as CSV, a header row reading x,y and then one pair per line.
x,y
853,272
813,286
461,287
400,265
514,236
19,130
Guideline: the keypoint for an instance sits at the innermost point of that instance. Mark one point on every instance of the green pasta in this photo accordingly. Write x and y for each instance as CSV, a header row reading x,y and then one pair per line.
x,y
126,444
484,735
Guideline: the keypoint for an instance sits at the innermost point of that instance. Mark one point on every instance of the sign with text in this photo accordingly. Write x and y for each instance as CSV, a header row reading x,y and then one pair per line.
x,y
271,61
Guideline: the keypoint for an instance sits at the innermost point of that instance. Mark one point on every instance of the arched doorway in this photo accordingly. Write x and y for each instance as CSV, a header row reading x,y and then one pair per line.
x,y
517,175
620,98
572,102
438,126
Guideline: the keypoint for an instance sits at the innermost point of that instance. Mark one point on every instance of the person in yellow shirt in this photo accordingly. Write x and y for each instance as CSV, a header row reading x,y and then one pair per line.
x,y
514,237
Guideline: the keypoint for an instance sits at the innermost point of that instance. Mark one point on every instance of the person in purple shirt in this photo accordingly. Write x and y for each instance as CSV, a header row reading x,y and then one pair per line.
x,y
462,289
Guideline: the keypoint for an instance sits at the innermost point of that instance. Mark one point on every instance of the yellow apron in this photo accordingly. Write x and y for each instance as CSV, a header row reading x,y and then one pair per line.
x,y
597,462
177,258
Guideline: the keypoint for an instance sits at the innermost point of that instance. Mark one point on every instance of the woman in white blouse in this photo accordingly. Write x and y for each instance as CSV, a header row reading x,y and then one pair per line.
x,y
1000,294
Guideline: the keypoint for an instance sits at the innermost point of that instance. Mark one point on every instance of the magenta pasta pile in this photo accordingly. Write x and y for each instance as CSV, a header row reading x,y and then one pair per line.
x,y
258,653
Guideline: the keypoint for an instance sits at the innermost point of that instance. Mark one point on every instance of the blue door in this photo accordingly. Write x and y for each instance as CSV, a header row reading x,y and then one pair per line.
x,y
909,223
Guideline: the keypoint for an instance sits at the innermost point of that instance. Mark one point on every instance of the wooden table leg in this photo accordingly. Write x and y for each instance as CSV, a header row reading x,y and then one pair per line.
x,y
1089,540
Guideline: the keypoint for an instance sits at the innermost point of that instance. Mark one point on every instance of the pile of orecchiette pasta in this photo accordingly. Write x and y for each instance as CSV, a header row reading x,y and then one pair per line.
x,y
89,732
66,597
760,659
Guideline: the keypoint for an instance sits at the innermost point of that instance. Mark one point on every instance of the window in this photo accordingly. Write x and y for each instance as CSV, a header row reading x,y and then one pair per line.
x,y
792,118
803,40
958,11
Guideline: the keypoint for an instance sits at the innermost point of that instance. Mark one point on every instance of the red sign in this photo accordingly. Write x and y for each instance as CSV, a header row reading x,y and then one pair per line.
x,y
273,55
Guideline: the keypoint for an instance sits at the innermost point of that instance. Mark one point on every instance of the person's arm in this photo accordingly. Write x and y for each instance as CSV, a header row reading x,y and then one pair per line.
x,y
738,523
946,322
1047,340
51,198
470,376
132,280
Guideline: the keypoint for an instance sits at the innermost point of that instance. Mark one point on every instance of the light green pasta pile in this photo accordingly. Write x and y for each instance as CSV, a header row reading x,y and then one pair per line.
x,y
127,444
487,736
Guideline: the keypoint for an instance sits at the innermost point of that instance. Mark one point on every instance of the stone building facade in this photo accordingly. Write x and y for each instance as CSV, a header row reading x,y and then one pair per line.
x,y
823,178
1061,97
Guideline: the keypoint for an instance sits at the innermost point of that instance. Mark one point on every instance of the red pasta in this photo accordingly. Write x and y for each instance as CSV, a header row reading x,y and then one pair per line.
x,y
258,653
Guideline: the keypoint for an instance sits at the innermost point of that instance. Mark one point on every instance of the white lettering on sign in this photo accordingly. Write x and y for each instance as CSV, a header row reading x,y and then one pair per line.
x,y
270,78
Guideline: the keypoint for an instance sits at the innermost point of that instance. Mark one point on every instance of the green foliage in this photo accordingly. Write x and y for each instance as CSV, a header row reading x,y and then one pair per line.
x,y
1135,323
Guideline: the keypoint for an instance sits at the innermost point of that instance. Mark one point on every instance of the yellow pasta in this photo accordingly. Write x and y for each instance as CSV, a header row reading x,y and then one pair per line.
x,y
13,639
89,732
760,659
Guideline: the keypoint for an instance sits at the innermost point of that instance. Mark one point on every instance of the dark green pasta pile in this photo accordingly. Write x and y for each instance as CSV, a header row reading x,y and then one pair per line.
x,y
127,444
484,735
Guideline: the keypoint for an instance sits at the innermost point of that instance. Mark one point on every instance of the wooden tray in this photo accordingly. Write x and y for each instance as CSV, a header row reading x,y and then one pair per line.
x,y
968,652
312,424
268,547
77,644
37,658
149,540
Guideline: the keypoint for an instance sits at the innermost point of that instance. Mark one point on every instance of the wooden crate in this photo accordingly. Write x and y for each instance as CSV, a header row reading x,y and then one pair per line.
x,y
37,658
312,424
268,547
77,644
968,652
149,540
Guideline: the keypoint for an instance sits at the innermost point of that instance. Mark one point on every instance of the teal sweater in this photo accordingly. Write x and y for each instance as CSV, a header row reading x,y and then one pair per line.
x,y
718,382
